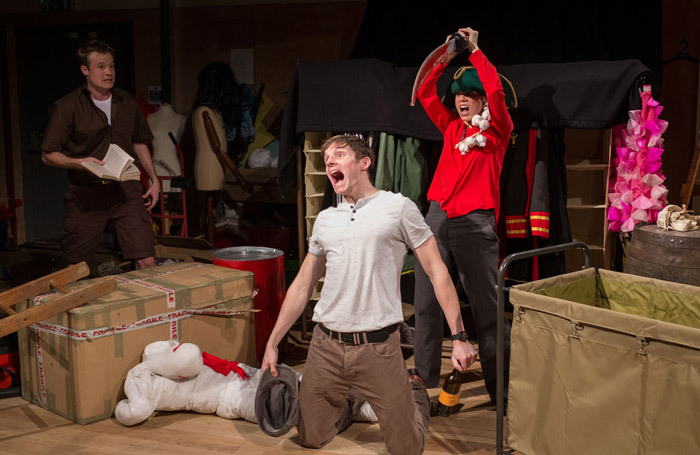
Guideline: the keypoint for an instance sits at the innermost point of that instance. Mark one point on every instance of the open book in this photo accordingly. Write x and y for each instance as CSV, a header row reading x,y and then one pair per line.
x,y
119,165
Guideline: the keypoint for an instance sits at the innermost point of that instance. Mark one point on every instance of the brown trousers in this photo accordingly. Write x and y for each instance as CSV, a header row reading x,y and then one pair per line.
x,y
377,372
90,208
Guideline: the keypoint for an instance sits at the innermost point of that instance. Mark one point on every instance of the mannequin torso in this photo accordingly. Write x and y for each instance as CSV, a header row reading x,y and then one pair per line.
x,y
165,157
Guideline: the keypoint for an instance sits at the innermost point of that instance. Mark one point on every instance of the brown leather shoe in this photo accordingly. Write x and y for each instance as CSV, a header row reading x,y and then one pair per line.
x,y
413,376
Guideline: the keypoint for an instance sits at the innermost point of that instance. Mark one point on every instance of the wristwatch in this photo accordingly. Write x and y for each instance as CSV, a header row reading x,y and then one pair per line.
x,y
461,336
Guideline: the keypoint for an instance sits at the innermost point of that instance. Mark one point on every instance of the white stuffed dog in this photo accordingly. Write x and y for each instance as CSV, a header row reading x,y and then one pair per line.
x,y
174,377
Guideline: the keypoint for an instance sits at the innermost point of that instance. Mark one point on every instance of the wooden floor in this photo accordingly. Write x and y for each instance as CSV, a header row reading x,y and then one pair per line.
x,y
28,429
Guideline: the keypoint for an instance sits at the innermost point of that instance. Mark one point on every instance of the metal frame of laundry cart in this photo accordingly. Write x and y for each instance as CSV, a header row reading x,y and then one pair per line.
x,y
501,288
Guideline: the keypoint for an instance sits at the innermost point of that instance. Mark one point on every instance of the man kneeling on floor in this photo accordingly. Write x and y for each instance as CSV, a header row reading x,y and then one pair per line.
x,y
360,246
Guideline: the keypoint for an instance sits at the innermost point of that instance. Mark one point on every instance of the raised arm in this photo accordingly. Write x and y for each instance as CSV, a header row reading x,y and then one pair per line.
x,y
500,118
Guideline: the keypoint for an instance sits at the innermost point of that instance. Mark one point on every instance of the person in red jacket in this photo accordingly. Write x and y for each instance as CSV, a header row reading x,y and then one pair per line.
x,y
464,204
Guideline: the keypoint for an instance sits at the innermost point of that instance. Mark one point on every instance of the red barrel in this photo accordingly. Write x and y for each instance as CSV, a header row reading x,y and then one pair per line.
x,y
267,264
9,366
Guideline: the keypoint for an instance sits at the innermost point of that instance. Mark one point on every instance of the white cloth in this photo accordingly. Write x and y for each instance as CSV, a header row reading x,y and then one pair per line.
x,y
106,107
172,377
365,245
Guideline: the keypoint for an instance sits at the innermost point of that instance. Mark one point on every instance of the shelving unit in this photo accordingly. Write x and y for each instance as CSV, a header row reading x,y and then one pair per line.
x,y
314,178
588,155
314,189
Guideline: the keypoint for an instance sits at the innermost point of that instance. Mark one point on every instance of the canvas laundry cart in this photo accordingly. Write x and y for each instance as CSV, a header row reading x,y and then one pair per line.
x,y
604,363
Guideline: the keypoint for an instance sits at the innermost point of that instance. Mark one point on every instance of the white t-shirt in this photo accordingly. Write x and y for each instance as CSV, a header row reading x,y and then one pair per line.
x,y
365,245
106,107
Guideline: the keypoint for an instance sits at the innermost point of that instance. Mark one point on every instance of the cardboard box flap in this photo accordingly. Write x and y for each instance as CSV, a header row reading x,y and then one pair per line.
x,y
184,242
184,249
156,291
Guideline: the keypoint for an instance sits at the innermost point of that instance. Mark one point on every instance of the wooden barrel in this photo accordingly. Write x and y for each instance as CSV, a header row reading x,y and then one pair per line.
x,y
665,255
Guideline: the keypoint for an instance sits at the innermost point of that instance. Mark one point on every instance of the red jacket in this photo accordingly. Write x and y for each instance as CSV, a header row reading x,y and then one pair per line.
x,y
463,183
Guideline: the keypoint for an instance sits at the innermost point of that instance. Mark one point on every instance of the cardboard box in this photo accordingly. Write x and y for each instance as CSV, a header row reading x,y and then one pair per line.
x,y
75,364
184,249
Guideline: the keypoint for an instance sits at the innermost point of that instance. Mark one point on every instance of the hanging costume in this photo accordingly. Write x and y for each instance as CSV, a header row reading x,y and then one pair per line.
x,y
532,178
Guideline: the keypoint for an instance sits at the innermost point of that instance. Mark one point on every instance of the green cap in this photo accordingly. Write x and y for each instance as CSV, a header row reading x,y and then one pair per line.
x,y
467,80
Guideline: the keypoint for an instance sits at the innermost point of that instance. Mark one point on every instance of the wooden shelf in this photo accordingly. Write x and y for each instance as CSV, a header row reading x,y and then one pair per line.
x,y
587,167
591,247
588,154
585,206
315,178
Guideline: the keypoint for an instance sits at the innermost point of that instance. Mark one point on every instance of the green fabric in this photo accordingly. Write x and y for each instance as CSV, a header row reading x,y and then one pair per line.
x,y
401,167
640,299
407,264
386,157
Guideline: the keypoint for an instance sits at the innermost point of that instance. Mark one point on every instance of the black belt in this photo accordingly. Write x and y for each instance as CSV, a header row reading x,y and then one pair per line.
x,y
94,182
375,336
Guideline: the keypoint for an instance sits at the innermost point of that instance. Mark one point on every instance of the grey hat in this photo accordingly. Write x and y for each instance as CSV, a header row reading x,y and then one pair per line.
x,y
277,401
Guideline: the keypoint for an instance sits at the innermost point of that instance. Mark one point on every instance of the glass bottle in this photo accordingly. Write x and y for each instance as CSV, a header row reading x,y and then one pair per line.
x,y
449,395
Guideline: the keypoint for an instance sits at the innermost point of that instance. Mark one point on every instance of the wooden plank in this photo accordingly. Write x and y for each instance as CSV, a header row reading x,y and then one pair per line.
x,y
41,285
59,305
607,256
687,188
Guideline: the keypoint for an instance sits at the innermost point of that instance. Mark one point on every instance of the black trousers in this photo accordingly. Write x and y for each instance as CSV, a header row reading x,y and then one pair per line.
x,y
468,245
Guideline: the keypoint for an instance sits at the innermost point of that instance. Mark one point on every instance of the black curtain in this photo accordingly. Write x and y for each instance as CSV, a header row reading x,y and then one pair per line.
x,y
515,32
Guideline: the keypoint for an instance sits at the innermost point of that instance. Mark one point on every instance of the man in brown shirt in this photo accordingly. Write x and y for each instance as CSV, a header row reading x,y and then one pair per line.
x,y
81,127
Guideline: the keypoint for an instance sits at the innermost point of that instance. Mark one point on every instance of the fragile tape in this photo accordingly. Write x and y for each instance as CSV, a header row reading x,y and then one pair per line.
x,y
150,321
40,370
170,293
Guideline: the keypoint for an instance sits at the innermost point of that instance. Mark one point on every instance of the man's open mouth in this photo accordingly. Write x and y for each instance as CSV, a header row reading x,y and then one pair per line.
x,y
463,109
336,176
